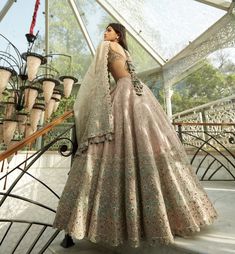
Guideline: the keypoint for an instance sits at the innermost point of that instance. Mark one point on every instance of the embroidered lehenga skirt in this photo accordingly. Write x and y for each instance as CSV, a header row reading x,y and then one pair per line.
x,y
137,187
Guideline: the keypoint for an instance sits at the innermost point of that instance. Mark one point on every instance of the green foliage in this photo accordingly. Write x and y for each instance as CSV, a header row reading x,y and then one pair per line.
x,y
204,85
66,104
65,37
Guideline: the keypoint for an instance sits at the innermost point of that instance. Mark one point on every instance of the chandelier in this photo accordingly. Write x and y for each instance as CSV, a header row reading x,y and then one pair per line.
x,y
29,85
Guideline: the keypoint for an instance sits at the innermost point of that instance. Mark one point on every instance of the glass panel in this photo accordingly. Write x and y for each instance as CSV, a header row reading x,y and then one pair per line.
x,y
154,80
168,26
17,21
96,25
2,4
222,3
65,37
214,80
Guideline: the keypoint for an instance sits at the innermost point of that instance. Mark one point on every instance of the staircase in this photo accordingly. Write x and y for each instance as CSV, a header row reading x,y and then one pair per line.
x,y
31,185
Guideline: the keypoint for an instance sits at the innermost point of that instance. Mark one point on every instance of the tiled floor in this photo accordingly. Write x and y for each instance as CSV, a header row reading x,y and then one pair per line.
x,y
216,239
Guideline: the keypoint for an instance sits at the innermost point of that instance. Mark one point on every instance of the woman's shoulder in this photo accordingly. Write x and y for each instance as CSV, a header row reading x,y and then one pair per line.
x,y
115,46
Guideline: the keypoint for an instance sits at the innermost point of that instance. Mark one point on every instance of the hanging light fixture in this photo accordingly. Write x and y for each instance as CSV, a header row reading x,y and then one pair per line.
x,y
22,103
49,108
68,82
36,114
9,127
28,130
5,74
29,93
22,118
48,85
33,61
57,94
12,142
10,108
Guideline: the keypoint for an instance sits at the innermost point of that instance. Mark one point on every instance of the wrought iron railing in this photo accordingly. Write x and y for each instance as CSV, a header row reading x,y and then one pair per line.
x,y
40,232
212,152
203,119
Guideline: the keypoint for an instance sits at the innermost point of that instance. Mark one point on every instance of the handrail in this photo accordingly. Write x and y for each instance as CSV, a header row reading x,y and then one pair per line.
x,y
204,124
35,135
66,115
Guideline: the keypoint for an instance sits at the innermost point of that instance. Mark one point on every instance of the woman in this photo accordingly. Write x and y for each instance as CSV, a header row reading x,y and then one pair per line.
x,y
130,179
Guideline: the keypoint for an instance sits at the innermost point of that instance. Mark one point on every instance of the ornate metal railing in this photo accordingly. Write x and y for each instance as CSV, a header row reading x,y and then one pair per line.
x,y
207,115
212,150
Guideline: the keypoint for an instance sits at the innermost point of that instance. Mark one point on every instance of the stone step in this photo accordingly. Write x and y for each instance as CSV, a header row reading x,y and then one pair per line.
x,y
218,238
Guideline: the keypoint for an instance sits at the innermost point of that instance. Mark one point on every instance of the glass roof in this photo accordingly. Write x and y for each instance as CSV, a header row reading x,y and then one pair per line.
x,y
2,3
16,23
167,26
96,25
217,3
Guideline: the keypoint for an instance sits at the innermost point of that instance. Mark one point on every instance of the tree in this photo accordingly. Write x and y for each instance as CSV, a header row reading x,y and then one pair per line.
x,y
204,85
66,38
221,59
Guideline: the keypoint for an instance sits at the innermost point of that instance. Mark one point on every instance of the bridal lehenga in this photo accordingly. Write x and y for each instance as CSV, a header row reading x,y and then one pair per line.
x,y
137,186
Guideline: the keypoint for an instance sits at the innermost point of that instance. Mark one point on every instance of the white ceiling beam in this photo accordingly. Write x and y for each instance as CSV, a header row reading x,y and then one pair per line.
x,y
223,5
6,8
161,61
231,7
82,26
47,27
204,36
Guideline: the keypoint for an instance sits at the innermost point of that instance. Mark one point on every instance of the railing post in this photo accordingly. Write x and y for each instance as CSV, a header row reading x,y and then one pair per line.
x,y
180,132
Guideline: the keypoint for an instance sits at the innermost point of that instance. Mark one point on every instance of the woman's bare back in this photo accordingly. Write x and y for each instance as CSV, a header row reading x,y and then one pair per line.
x,y
117,61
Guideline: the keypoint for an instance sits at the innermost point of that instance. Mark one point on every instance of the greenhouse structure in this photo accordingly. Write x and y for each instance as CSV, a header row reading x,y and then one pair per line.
x,y
183,50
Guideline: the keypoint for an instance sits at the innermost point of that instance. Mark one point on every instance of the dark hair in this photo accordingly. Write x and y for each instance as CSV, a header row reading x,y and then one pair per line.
x,y
121,31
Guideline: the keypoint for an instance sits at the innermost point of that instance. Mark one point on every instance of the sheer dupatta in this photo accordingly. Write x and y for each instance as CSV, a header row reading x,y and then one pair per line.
x,y
92,107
